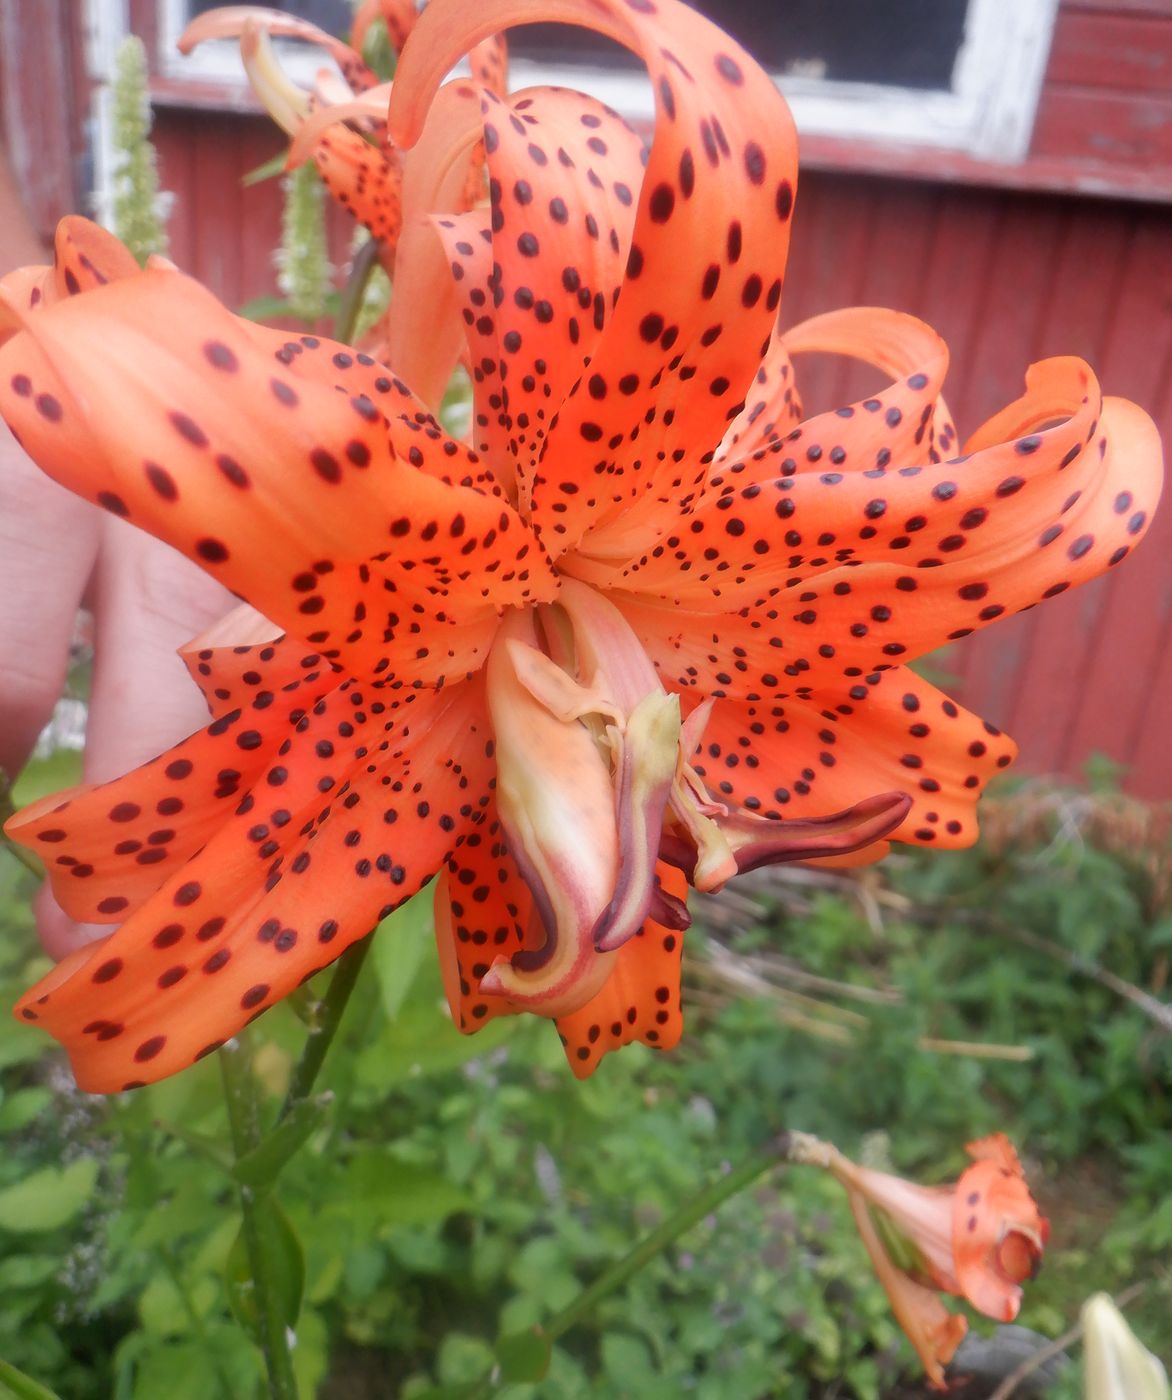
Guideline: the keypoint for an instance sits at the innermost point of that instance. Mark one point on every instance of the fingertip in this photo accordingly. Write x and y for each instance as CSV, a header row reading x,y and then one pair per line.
x,y
59,934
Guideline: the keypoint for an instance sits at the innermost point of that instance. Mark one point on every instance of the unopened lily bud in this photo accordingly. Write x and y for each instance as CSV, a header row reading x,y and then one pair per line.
x,y
1118,1365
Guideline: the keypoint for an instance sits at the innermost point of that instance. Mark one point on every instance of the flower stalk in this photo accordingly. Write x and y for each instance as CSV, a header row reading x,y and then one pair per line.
x,y
324,1026
240,1096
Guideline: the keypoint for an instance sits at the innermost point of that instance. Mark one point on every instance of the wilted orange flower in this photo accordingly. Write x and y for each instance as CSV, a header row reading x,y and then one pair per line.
x,y
979,1239
649,628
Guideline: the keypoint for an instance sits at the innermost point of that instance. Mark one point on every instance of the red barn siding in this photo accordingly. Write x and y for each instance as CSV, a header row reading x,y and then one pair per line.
x,y
1009,278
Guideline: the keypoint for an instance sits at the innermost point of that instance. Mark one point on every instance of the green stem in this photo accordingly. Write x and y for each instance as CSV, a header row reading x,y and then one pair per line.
x,y
326,1022
689,1214
793,1147
244,1121
365,261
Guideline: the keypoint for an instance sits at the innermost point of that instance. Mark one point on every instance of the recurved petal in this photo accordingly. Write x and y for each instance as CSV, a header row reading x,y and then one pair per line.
x,y
85,256
107,848
537,279
881,568
352,830
232,21
483,909
218,445
772,409
426,332
640,1000
815,755
399,16
704,273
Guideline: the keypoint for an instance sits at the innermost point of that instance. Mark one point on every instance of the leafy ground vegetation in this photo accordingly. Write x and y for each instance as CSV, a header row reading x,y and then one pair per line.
x,y
455,1190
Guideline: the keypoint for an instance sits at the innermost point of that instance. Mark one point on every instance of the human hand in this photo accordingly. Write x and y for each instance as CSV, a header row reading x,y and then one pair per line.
x,y
56,552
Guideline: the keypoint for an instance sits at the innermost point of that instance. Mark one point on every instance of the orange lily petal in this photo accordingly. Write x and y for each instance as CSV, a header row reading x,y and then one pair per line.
x,y
998,1234
772,409
85,256
640,1000
692,268
425,334
812,756
930,1327
483,910
231,21
354,504
489,62
553,282
241,924
884,570
122,839
399,16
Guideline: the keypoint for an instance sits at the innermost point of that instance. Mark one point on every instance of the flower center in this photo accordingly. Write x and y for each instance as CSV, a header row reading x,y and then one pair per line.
x,y
594,787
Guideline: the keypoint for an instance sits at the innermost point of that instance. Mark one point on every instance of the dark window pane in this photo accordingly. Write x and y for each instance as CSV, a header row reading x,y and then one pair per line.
x,y
334,16
899,43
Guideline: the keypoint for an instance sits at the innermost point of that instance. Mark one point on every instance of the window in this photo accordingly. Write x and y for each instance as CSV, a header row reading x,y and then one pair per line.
x,y
951,75
960,75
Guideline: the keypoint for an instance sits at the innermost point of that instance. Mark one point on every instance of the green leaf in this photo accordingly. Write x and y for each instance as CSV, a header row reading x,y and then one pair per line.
x,y
261,1167
202,1145
22,1107
48,1198
18,1386
285,1248
449,1392
267,170
524,1356
400,949
401,1193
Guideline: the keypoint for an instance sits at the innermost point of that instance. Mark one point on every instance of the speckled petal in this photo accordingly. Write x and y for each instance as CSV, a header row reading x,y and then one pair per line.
x,y
331,838
640,1000
890,731
218,440
708,251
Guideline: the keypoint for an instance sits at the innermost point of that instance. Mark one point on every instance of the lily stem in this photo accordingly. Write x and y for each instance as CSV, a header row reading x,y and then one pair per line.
x,y
793,1147
240,1095
326,1022
788,1147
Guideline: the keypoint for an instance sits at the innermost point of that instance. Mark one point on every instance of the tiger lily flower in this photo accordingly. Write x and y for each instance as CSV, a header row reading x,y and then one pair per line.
x,y
342,131
647,629
979,1239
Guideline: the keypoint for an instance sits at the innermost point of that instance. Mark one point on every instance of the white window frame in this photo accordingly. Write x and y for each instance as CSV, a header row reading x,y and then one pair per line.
x,y
988,115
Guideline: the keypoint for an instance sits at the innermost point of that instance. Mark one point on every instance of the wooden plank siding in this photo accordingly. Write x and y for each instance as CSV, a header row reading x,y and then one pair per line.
x,y
1009,278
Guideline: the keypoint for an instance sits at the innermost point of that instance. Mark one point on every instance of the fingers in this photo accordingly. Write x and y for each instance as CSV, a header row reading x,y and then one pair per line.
x,y
48,544
147,600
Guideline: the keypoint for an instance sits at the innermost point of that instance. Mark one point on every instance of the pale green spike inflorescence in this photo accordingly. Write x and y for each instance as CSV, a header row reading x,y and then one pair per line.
x,y
138,206
303,265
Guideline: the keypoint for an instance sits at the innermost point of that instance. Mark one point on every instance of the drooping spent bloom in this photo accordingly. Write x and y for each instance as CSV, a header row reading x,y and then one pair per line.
x,y
648,629
979,1239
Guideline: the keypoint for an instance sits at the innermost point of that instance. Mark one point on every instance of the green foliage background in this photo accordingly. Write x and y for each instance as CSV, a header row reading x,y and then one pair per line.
x,y
452,1191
